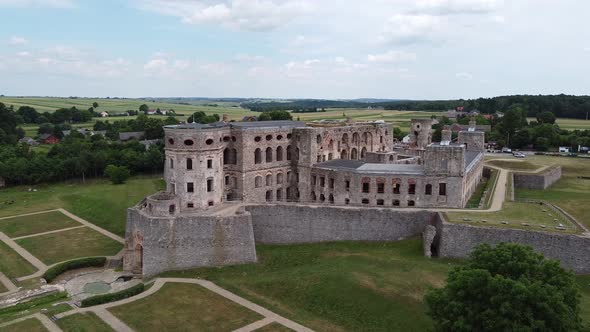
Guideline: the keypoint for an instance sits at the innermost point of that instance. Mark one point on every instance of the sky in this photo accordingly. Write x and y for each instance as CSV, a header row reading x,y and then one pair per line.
x,y
337,49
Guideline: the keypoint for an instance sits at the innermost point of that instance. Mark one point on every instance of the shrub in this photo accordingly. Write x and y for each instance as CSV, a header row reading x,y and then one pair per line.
x,y
117,174
506,288
55,271
112,297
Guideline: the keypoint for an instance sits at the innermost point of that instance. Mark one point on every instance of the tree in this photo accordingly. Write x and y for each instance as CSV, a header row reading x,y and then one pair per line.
x,y
94,105
506,288
546,117
117,174
144,108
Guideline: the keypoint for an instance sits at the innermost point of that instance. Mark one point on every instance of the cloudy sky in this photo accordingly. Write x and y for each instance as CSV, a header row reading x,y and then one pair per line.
x,y
419,49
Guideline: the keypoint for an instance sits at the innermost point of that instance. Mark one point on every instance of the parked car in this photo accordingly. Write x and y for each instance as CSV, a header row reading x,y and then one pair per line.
x,y
519,154
506,150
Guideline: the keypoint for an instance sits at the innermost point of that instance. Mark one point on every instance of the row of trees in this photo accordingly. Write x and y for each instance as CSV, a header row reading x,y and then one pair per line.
x,y
562,106
77,156
151,126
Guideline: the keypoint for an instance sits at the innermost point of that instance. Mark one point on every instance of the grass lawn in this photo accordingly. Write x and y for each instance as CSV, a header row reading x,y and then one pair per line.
x,y
516,164
28,325
570,193
75,243
97,201
12,264
274,327
84,322
37,223
515,213
184,307
345,286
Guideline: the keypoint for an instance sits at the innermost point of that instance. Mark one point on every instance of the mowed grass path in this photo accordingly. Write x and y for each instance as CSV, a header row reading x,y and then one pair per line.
x,y
184,307
346,286
28,325
70,244
12,264
84,322
97,201
37,223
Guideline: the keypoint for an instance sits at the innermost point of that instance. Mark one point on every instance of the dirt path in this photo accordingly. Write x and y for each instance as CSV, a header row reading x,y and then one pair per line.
x,y
48,232
4,280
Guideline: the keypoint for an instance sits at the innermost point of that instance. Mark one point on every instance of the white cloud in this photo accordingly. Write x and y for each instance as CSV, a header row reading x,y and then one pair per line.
x,y
587,49
403,28
464,76
15,40
38,3
392,56
23,53
249,58
454,7
254,15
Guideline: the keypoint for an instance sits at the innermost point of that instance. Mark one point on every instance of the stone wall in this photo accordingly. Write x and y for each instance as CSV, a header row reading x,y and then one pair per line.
x,y
154,245
284,224
541,180
457,241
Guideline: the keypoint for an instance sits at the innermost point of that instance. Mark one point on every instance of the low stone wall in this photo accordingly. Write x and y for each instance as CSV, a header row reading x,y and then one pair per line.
x,y
540,180
283,224
458,240
154,245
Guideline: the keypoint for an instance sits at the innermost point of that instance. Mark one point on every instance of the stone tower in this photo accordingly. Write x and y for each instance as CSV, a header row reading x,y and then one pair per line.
x,y
421,133
193,169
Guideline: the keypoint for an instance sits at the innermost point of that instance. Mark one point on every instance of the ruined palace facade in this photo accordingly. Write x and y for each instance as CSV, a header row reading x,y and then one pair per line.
x,y
211,168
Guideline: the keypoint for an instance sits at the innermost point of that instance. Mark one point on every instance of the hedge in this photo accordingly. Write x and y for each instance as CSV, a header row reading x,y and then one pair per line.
x,y
55,271
112,297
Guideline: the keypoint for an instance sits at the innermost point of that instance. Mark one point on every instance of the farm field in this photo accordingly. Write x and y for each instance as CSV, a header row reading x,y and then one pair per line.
x,y
570,124
97,201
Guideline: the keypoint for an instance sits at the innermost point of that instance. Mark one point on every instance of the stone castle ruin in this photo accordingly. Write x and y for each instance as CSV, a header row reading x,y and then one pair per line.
x,y
231,184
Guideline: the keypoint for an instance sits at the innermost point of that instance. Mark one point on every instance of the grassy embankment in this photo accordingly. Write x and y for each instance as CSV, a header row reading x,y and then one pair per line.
x,y
570,193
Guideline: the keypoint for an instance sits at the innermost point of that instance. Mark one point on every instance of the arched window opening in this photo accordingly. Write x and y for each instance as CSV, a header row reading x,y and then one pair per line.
x,y
279,156
268,180
257,156
353,154
258,181
269,155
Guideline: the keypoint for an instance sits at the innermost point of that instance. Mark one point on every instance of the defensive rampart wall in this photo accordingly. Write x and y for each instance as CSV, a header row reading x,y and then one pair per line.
x,y
540,180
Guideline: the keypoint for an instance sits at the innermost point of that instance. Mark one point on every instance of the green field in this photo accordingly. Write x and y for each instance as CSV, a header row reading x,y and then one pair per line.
x,y
274,327
29,325
37,223
97,201
83,322
184,307
571,193
570,124
75,243
346,286
12,264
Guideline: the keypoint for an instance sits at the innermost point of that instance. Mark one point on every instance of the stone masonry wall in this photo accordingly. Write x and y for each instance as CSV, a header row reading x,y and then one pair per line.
x,y
541,180
185,242
284,224
457,241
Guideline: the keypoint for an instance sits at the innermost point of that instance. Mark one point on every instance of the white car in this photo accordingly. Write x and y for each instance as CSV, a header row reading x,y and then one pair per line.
x,y
519,154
